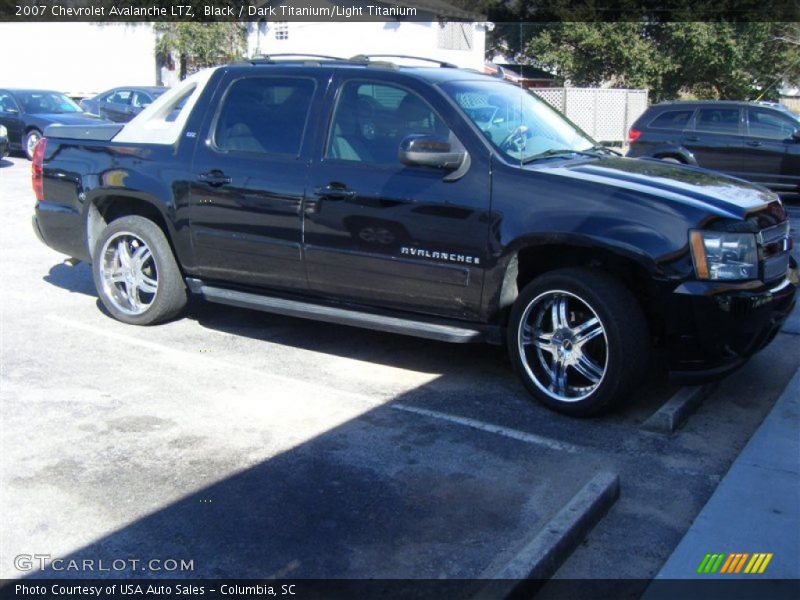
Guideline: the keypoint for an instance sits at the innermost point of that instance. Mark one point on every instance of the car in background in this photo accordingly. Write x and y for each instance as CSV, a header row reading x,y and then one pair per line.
x,y
3,142
26,114
756,141
121,104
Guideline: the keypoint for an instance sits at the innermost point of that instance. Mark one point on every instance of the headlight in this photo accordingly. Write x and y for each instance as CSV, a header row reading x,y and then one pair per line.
x,y
720,255
3,131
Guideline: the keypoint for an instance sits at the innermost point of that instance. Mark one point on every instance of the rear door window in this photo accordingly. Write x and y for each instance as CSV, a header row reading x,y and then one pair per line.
x,y
672,119
264,115
718,120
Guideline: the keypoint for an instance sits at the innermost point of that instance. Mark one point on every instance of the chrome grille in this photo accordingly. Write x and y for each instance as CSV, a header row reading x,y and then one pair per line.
x,y
774,248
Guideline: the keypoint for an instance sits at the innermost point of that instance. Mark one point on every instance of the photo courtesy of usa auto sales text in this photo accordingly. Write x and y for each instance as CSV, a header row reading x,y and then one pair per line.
x,y
158,590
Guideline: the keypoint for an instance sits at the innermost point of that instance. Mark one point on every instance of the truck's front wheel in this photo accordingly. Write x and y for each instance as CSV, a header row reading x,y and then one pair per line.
x,y
135,272
579,340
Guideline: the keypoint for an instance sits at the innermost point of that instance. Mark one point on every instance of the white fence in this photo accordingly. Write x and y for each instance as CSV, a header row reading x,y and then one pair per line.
x,y
605,114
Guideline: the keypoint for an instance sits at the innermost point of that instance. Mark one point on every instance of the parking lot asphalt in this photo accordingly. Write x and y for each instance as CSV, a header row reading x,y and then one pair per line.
x,y
258,445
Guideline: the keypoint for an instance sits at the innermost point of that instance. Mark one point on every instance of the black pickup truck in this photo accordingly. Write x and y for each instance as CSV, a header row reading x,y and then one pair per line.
x,y
428,201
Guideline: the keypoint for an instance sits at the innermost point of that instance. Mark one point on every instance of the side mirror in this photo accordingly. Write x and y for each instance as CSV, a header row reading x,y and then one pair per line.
x,y
430,151
796,135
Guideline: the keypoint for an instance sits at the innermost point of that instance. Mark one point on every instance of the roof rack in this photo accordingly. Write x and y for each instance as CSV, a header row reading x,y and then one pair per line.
x,y
367,58
270,58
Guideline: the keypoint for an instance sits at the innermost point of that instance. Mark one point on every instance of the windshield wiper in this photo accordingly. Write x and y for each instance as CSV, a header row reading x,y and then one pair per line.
x,y
605,150
556,152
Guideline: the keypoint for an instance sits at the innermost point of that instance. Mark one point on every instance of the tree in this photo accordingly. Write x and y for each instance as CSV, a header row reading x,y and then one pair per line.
x,y
727,60
704,60
200,45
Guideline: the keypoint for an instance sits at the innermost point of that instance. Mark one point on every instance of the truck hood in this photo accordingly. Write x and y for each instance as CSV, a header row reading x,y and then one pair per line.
x,y
687,185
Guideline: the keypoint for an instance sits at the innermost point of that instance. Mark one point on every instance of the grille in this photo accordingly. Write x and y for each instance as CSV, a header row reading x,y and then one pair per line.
x,y
774,246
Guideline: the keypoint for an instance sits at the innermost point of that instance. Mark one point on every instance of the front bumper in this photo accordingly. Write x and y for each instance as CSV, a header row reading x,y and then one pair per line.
x,y
713,328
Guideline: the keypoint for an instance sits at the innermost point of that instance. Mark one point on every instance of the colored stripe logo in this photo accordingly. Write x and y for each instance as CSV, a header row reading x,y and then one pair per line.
x,y
736,562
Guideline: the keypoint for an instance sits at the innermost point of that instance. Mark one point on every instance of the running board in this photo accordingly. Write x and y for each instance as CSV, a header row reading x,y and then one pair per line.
x,y
443,330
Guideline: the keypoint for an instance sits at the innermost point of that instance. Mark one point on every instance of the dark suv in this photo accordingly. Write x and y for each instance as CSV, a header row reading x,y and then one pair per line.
x,y
432,202
757,142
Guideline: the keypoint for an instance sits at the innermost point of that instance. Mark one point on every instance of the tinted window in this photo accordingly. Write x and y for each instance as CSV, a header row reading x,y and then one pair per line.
x,y
7,102
46,103
768,124
372,119
264,115
718,120
142,99
120,97
672,119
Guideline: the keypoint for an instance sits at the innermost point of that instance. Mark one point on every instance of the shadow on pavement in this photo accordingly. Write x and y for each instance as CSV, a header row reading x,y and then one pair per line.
x,y
76,279
385,495
489,366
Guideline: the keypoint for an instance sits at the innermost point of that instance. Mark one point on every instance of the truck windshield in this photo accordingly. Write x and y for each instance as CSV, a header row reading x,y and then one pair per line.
x,y
40,103
518,124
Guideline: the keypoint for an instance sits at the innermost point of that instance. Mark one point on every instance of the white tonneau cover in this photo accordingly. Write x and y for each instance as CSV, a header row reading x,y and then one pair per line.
x,y
151,125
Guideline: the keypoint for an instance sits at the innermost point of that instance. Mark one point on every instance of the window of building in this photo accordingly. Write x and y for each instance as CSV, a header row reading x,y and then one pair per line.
x,y
455,36
281,30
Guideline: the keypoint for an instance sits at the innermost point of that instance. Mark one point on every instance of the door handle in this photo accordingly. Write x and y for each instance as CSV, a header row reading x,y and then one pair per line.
x,y
692,138
214,178
334,191
754,144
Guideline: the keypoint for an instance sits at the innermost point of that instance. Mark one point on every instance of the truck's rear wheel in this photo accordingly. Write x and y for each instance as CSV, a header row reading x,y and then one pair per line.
x,y
578,339
135,272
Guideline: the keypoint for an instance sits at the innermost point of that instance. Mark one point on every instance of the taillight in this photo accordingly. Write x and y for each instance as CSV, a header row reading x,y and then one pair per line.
x,y
633,135
37,169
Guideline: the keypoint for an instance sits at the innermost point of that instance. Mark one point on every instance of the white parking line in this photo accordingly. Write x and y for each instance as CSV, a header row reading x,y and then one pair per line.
x,y
514,434
191,359
185,358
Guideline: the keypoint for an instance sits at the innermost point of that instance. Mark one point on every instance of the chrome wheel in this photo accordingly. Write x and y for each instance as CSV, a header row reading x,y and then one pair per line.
x,y
563,346
128,273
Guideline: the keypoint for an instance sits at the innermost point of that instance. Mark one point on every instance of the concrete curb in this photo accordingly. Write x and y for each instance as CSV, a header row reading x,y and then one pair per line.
x,y
755,508
675,411
540,558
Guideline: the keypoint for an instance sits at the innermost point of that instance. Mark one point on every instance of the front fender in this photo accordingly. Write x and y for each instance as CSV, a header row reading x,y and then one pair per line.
x,y
567,249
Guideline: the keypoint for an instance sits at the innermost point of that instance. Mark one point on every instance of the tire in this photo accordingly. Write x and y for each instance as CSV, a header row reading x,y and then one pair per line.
x,y
595,355
135,273
30,141
672,159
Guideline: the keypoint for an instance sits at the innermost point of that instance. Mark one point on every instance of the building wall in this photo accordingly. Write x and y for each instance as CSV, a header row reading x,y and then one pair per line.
x,y
792,103
85,58
351,38
77,58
